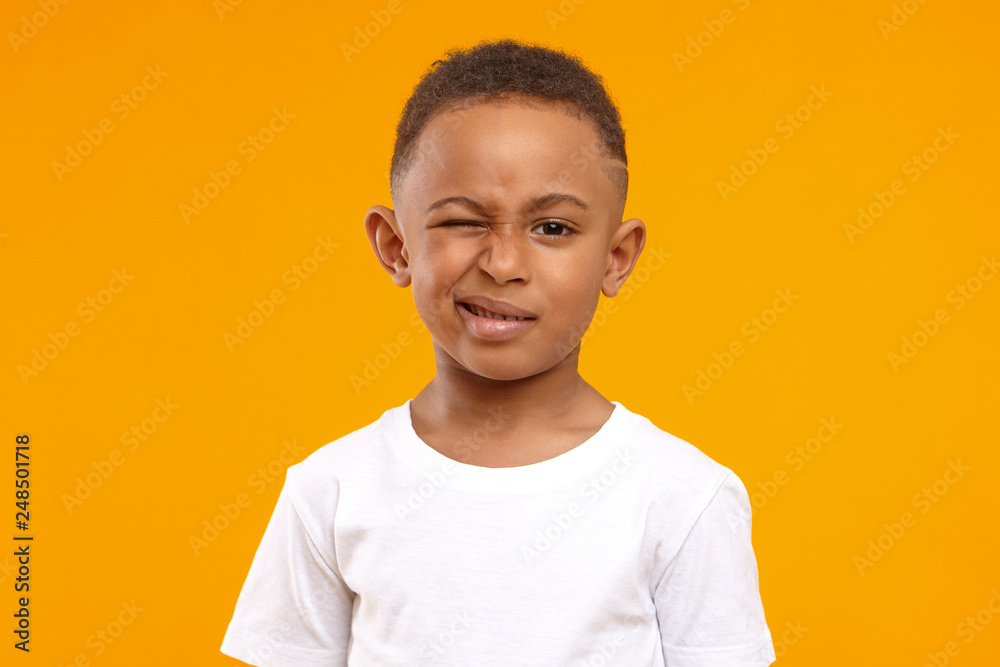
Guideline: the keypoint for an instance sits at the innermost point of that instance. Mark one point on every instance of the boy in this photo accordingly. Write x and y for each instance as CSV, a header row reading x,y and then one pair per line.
x,y
508,514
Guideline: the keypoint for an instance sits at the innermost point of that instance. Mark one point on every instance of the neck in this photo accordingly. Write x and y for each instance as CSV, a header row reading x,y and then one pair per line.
x,y
458,396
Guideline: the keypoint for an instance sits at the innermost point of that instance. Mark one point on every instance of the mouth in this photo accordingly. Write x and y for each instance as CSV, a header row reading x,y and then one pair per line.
x,y
489,325
482,312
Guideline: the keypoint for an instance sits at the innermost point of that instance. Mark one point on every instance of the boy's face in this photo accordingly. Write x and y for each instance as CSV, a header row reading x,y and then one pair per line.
x,y
507,208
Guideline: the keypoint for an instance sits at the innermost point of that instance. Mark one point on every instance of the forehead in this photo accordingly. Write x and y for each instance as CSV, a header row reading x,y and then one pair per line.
x,y
498,119
506,151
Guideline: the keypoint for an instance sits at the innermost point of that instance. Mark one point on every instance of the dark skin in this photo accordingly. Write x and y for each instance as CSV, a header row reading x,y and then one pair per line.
x,y
552,259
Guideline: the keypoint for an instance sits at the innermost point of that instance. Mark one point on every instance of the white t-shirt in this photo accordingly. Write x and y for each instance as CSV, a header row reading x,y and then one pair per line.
x,y
632,549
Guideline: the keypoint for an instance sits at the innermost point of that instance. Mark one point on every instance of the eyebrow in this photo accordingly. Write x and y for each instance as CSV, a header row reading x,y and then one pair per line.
x,y
542,202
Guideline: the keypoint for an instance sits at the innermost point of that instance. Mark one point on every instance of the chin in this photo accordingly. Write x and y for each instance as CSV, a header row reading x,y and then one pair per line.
x,y
492,371
503,370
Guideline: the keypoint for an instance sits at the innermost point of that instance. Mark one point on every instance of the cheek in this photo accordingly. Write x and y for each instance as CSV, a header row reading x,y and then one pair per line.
x,y
573,287
573,299
438,274
444,253
432,284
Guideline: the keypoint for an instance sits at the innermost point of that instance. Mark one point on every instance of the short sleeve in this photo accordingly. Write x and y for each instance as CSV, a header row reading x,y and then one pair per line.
x,y
708,603
294,608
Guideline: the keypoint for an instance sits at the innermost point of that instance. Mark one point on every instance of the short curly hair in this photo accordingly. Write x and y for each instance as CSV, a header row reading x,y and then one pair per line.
x,y
501,70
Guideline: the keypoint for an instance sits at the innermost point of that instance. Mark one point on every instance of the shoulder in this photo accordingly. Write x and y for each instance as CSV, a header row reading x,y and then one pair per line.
x,y
674,469
340,459
680,485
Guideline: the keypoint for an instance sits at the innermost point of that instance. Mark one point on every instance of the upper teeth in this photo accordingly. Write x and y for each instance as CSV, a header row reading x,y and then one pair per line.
x,y
495,316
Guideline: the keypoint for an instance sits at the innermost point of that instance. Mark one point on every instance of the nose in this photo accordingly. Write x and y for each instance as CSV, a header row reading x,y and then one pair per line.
x,y
505,256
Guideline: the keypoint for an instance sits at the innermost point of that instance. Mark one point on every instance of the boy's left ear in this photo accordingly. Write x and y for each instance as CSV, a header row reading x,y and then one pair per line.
x,y
626,246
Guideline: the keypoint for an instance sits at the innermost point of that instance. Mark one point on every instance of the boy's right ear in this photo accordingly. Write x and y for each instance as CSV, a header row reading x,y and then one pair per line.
x,y
386,236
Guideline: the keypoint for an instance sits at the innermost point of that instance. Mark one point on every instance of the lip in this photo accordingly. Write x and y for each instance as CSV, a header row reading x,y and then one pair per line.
x,y
488,328
498,307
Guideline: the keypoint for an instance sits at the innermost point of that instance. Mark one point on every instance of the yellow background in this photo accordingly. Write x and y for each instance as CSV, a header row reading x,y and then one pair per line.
x,y
162,336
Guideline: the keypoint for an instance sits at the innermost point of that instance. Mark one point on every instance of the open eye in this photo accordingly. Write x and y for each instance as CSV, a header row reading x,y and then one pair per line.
x,y
549,228
553,228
